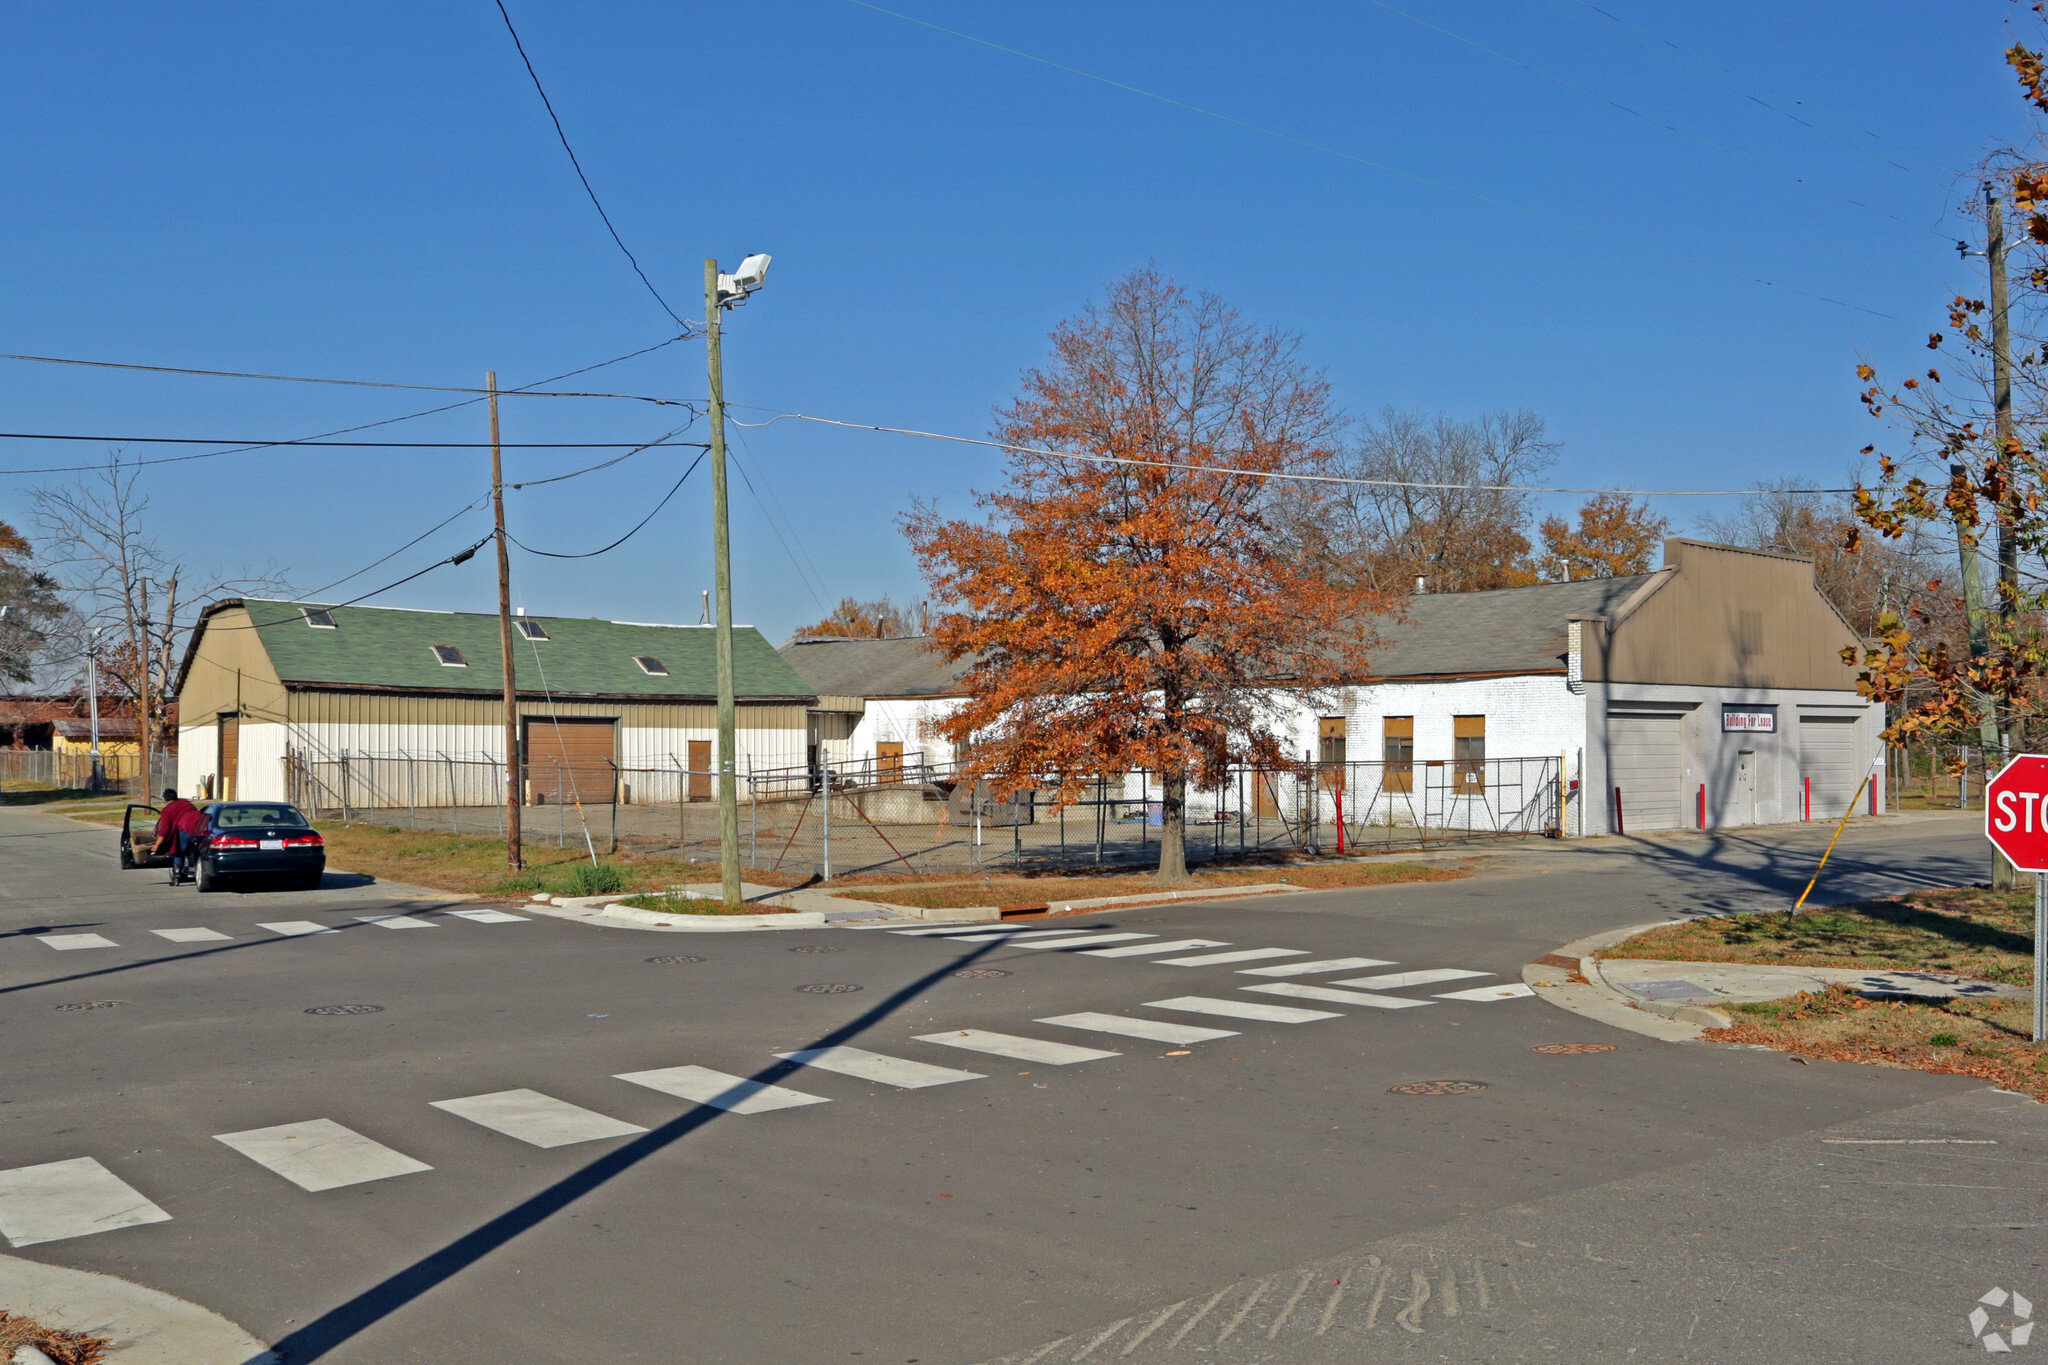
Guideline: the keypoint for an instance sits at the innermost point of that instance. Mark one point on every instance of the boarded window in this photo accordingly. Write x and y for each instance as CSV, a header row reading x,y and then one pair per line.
x,y
651,666
1468,754
532,630
1397,747
570,759
319,618
449,655
1330,752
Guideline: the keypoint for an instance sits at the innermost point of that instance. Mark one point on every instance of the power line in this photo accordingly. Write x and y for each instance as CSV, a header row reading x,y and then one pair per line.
x,y
815,577
311,379
591,554
592,469
1420,179
549,105
252,444
769,518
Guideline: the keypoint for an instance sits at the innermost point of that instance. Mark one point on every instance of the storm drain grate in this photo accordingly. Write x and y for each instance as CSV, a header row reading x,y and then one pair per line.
x,y
828,988
815,948
91,1005
346,1009
1564,1049
979,973
1437,1088
672,960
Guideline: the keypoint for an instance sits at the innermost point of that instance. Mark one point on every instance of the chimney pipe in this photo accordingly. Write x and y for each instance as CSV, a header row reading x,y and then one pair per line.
x,y
1421,585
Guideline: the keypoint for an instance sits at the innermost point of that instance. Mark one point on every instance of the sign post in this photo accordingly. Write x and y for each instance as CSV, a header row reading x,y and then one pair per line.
x,y
2016,823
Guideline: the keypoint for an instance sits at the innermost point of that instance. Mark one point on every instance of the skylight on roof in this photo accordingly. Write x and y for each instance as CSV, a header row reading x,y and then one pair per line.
x,y
449,655
319,618
651,666
531,629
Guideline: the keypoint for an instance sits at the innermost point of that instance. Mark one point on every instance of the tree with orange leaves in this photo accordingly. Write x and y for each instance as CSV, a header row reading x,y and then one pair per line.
x,y
1126,599
1616,535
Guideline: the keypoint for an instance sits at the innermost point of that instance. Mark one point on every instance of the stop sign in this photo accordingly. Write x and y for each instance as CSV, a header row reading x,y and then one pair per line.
x,y
2016,812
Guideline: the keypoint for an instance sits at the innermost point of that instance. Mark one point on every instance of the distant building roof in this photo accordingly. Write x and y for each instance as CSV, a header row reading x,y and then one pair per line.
x,y
1506,630
854,667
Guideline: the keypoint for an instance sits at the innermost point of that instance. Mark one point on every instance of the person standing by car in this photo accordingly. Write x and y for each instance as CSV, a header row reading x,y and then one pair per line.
x,y
186,826
167,819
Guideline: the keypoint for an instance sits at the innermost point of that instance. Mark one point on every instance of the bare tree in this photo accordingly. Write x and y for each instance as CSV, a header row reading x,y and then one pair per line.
x,y
31,609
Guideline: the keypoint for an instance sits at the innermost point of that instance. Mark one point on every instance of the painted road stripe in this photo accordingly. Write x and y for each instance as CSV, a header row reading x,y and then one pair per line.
x,y
294,927
1513,991
397,922
873,1066
1140,949
1328,964
1090,941
1010,1045
1241,955
191,935
1242,1009
68,1199
1300,992
1017,934
734,1094
68,943
491,917
320,1154
1152,1030
963,928
1394,980
536,1118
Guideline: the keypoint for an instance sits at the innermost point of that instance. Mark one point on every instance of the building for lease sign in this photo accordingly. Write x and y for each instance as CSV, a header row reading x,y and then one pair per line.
x,y
1761,721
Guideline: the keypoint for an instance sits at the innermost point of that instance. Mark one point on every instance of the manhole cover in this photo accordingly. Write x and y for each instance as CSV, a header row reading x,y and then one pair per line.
x,y
978,973
1562,1049
1671,990
1437,1088
815,948
828,988
92,1005
346,1009
673,961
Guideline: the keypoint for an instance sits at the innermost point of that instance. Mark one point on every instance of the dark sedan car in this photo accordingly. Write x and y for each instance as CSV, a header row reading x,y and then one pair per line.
x,y
261,839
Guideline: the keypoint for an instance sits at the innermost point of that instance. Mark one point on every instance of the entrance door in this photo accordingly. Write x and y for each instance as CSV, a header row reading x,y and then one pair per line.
x,y
700,770
230,754
888,760
570,759
1646,761
1742,810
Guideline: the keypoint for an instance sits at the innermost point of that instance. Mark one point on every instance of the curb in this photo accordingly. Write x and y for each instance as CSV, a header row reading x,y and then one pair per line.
x,y
1591,996
1166,897
147,1326
628,917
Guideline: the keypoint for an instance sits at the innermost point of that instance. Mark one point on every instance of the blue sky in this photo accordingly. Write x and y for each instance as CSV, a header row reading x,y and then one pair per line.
x,y
374,191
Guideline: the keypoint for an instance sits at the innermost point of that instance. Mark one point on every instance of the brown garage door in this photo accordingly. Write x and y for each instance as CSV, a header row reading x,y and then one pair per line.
x,y
570,760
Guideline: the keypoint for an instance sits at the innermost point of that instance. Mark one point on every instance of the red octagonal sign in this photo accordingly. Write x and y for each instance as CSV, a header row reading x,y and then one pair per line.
x,y
2016,812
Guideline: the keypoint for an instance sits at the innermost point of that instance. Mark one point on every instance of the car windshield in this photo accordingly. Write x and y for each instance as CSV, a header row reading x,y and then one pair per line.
x,y
253,816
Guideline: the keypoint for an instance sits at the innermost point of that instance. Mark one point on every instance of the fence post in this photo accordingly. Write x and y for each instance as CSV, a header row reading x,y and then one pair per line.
x,y
825,775
615,808
753,816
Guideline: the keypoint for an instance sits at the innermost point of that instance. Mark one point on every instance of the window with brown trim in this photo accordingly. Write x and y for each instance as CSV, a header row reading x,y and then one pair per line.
x,y
1468,754
1397,751
1330,737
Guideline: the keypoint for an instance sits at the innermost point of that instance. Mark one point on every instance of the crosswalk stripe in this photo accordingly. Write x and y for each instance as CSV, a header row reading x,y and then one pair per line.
x,y
320,1154
397,922
491,917
191,935
1152,1030
1514,990
991,935
734,1094
1241,955
294,927
962,928
873,1066
1301,992
1022,1049
1141,949
1396,980
1242,1009
70,943
535,1118
61,1199
1328,964
1089,941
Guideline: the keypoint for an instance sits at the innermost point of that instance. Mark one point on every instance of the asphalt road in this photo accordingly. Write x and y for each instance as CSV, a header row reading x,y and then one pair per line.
x,y
1656,1202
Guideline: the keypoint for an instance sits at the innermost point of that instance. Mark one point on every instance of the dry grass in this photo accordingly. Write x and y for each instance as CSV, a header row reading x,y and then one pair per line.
x,y
453,862
1971,931
66,1348
1016,893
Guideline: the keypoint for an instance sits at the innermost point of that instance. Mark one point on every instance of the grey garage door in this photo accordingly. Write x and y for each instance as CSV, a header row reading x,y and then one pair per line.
x,y
1646,761
1827,760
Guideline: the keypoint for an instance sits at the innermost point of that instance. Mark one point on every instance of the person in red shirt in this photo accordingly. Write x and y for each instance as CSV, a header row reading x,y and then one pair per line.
x,y
174,809
185,827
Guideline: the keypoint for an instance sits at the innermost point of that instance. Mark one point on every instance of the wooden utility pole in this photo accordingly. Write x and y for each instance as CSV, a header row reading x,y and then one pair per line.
x,y
514,855
728,728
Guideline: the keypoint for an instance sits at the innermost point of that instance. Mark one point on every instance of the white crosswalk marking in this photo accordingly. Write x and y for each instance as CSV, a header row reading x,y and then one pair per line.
x,y
1301,992
535,1118
873,1066
68,943
1242,1009
1395,980
1179,945
992,935
1152,1030
63,1199
1023,1049
295,927
397,922
1328,964
1089,941
1509,991
734,1094
320,1154
942,929
191,935
491,917
1241,955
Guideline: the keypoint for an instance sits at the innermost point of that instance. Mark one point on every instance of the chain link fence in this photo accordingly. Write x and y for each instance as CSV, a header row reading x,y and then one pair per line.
x,y
72,769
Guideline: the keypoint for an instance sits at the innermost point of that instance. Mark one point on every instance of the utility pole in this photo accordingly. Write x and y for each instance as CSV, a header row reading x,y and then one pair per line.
x,y
514,855
1991,735
728,729
92,694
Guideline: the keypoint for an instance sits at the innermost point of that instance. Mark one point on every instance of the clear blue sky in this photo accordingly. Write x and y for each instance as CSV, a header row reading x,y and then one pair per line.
x,y
373,190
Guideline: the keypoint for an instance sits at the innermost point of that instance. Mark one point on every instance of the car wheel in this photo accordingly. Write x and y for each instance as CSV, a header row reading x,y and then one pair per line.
x,y
209,880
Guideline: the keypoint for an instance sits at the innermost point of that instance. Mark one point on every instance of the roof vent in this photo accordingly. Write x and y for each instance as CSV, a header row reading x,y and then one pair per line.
x,y
449,655
651,666
319,618
1421,585
532,629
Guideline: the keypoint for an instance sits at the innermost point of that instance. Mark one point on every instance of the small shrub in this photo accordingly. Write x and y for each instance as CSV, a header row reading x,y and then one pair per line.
x,y
1757,1007
596,879
519,881
1944,1040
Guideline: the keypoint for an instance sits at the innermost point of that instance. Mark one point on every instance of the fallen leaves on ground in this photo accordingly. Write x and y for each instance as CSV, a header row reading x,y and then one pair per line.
x,y
66,1348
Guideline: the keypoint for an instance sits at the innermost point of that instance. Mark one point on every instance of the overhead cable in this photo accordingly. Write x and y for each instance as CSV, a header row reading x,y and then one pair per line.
x,y
250,444
348,383
592,554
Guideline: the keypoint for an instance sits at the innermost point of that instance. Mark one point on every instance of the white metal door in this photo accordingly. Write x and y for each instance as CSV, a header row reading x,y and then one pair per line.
x,y
1827,762
1646,762
1742,808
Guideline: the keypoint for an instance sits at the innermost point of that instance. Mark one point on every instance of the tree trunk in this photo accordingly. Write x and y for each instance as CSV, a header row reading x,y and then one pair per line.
x,y
1173,826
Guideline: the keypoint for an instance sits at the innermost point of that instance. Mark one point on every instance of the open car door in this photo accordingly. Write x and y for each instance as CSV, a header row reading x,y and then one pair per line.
x,y
138,837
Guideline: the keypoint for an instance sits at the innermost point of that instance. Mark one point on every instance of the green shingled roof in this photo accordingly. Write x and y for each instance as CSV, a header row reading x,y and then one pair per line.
x,y
389,647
